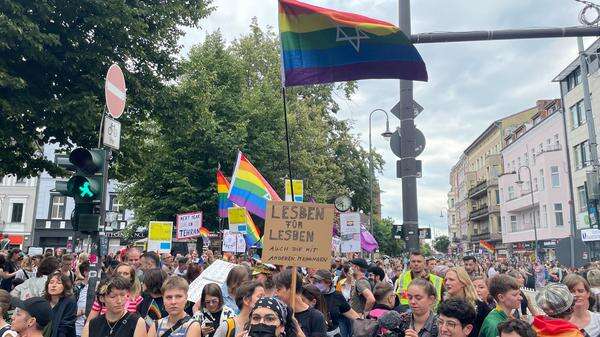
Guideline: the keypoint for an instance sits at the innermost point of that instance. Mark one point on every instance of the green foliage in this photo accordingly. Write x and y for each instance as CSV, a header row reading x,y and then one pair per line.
x,y
426,249
441,244
384,235
228,98
53,59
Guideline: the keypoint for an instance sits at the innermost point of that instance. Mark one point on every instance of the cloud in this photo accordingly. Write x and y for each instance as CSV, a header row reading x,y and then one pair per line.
x,y
471,83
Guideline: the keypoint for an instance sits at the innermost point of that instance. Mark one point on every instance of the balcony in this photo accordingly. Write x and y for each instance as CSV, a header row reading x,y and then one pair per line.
x,y
480,236
478,191
479,213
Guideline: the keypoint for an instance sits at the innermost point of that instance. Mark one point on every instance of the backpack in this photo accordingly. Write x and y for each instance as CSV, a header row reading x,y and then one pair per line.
x,y
77,290
230,327
365,327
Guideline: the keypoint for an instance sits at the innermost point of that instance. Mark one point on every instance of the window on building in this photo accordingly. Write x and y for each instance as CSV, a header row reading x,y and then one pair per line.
x,y
581,153
513,223
57,207
541,147
558,215
526,156
542,182
544,222
573,79
535,184
582,196
555,176
577,114
511,192
17,212
116,206
556,142
497,197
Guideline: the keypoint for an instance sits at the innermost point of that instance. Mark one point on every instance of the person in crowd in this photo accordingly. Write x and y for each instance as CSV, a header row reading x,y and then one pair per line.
x,y
10,268
133,256
83,257
26,272
593,277
311,321
582,317
345,281
361,297
80,289
210,310
237,275
116,321
312,296
246,296
30,317
182,264
150,260
59,293
456,318
193,271
458,285
168,264
505,290
5,300
481,287
430,263
421,321
385,300
152,307
194,258
515,328
263,274
339,309
34,287
66,267
178,322
376,275
272,318
540,273
557,302
470,265
526,306
416,270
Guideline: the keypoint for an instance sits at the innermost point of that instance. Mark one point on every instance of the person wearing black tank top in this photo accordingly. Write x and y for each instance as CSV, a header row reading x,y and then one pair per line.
x,y
117,322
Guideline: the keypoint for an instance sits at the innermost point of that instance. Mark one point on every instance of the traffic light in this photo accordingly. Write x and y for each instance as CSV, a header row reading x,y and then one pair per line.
x,y
86,186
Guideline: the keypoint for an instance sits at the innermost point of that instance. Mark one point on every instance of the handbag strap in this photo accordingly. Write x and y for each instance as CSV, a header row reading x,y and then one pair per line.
x,y
176,326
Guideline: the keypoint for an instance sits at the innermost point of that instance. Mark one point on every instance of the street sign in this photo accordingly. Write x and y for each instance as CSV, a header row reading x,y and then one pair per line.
x,y
417,108
419,143
115,91
424,233
111,136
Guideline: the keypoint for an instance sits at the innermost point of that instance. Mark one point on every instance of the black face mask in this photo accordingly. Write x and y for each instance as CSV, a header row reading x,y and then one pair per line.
x,y
262,330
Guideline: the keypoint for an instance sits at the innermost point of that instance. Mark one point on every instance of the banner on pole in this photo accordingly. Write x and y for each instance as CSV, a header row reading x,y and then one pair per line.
x,y
188,225
160,235
298,234
298,190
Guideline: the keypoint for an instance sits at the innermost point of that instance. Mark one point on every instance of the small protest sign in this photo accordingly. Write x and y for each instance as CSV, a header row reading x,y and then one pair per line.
x,y
160,235
298,234
237,219
215,273
233,242
188,225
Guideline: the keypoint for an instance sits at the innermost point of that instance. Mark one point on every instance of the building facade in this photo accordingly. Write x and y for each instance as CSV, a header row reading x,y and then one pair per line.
x,y
534,189
17,206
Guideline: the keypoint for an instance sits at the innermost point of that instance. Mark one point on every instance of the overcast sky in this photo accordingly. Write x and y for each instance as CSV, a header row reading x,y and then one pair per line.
x,y
470,84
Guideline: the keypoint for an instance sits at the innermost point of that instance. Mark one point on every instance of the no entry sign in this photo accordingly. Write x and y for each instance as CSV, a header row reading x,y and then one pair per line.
x,y
115,91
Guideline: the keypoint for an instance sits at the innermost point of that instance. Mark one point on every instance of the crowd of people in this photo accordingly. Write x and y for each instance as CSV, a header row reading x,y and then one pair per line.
x,y
146,294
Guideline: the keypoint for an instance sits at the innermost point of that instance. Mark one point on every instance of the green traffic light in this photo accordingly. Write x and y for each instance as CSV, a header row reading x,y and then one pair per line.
x,y
84,190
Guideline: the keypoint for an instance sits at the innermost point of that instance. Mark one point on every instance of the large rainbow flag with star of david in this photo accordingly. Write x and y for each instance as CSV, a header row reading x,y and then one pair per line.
x,y
320,45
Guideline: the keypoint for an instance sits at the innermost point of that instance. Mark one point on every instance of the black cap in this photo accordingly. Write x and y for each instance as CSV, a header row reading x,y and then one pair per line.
x,y
360,262
323,275
36,307
375,270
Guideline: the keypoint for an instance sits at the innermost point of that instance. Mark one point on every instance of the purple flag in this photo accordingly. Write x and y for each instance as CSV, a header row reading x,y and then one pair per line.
x,y
367,241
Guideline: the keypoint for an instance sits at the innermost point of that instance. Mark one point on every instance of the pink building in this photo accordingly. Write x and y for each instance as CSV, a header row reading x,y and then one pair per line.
x,y
537,145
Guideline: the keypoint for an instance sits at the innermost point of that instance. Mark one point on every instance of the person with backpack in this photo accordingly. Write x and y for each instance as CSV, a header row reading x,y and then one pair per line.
x,y
178,323
361,298
246,296
80,295
116,322
212,309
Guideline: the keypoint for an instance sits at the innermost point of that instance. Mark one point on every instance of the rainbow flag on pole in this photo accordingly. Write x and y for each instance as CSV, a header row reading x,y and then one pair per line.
x,y
249,188
487,246
223,191
253,233
320,45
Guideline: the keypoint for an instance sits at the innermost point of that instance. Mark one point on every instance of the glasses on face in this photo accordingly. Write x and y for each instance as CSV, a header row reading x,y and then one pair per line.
x,y
268,319
450,324
213,301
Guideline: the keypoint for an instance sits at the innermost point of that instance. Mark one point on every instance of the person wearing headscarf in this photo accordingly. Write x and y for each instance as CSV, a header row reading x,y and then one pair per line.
x,y
271,318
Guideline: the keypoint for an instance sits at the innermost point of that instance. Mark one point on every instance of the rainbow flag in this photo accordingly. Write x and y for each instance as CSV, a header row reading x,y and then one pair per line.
x,y
487,246
204,232
320,45
223,191
253,233
249,188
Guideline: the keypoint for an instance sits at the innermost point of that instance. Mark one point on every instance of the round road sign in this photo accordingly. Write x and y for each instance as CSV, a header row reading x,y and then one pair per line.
x,y
115,91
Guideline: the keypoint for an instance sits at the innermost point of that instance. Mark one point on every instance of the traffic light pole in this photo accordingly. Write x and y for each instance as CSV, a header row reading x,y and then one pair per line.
x,y
407,170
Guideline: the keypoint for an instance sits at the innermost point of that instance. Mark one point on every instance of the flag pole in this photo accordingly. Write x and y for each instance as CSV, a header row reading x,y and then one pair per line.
x,y
287,140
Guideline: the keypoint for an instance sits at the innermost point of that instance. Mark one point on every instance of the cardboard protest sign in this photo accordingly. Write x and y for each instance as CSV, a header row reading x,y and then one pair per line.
x,y
298,234
188,225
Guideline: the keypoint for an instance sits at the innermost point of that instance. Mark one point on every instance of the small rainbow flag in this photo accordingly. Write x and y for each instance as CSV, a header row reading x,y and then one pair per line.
x,y
223,191
204,232
487,246
321,45
249,188
253,233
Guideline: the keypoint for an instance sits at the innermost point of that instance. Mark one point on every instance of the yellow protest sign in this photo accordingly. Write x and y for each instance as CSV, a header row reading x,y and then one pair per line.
x,y
160,234
298,234
298,190
236,215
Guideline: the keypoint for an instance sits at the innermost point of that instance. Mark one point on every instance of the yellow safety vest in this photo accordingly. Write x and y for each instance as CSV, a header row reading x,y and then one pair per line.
x,y
404,280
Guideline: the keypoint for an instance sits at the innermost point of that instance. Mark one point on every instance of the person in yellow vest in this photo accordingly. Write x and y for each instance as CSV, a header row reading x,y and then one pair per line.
x,y
416,270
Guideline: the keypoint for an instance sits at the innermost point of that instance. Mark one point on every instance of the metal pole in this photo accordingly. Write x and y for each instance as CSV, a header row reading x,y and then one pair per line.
x,y
532,210
410,214
504,34
371,173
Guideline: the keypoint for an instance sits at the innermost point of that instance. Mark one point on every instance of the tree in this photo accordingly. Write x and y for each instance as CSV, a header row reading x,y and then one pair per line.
x,y
53,59
228,98
388,244
426,249
441,243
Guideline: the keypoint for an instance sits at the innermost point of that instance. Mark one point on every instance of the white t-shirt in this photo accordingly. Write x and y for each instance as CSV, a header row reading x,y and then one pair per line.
x,y
593,329
81,304
8,332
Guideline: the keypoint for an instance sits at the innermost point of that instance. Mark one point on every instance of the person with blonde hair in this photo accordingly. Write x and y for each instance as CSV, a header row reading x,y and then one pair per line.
x,y
178,322
26,272
458,285
593,277
582,316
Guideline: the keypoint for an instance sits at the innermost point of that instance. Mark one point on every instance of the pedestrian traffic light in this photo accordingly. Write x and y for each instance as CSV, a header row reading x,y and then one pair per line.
x,y
86,186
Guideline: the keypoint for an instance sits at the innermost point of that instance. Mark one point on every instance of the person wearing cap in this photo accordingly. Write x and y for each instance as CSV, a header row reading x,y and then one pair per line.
x,y
264,275
416,270
376,275
31,316
337,306
557,302
361,298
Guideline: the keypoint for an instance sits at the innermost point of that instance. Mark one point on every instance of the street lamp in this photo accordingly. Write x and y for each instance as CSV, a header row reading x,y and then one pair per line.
x,y
386,134
520,182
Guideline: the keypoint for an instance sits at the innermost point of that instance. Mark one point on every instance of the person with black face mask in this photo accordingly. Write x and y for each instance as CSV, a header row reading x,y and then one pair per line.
x,y
271,318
